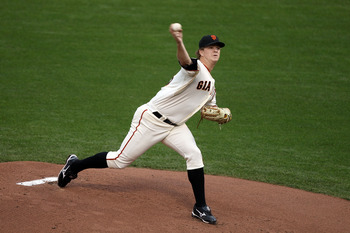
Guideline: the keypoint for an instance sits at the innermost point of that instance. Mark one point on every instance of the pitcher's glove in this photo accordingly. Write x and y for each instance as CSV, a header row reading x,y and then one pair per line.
x,y
214,113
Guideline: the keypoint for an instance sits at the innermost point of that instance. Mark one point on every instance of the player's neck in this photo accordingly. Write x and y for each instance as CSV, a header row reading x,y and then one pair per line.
x,y
209,65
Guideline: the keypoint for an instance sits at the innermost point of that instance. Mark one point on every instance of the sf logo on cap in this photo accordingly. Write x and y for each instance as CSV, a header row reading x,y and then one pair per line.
x,y
213,37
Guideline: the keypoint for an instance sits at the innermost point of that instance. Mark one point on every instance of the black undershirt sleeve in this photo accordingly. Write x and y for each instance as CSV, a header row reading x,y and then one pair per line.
x,y
192,66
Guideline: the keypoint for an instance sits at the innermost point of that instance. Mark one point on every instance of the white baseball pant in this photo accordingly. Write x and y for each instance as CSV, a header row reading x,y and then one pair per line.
x,y
147,130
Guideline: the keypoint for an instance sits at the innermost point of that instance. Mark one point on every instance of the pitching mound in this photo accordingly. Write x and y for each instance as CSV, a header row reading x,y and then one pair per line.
x,y
144,200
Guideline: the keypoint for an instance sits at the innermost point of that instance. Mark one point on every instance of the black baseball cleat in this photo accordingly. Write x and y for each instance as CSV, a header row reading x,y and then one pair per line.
x,y
66,174
204,214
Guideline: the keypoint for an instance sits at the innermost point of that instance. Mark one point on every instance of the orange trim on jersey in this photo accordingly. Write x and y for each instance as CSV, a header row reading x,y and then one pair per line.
x,y
206,67
130,137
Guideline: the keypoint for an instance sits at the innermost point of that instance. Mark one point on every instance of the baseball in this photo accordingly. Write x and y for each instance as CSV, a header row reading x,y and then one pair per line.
x,y
176,27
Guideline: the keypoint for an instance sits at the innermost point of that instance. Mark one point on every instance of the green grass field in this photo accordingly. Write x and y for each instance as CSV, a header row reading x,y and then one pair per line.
x,y
73,73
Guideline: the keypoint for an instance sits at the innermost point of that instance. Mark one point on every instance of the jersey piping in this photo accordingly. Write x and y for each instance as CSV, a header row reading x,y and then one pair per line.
x,y
130,137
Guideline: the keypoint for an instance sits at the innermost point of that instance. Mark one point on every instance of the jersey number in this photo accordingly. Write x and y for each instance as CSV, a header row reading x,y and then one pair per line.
x,y
205,86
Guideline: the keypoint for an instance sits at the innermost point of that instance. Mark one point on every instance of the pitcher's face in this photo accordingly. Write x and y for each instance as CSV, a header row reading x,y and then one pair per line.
x,y
211,53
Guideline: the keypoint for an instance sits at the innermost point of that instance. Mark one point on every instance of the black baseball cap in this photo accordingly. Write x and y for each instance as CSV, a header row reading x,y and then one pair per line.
x,y
210,40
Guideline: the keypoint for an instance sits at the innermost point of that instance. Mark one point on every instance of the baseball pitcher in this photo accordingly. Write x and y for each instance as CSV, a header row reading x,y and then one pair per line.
x,y
163,119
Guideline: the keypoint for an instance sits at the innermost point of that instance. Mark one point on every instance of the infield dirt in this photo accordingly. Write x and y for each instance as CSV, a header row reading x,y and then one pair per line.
x,y
145,200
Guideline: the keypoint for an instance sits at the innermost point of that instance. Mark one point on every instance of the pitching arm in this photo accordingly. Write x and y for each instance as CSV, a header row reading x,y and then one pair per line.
x,y
182,54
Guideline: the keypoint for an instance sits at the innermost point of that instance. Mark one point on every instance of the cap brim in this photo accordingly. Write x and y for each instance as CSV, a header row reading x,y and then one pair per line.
x,y
220,44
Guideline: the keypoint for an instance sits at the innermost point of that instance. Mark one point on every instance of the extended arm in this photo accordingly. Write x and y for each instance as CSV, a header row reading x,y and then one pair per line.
x,y
182,54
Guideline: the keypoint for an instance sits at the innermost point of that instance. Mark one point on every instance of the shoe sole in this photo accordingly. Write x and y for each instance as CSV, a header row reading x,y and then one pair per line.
x,y
62,182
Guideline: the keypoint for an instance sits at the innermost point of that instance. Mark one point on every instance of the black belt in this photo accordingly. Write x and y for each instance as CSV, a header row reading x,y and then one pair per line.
x,y
157,114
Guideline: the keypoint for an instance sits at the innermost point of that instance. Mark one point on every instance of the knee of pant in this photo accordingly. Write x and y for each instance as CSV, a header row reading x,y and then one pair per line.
x,y
114,160
194,159
116,164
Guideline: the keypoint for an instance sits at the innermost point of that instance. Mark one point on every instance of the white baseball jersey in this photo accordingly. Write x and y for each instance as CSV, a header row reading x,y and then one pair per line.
x,y
187,92
190,89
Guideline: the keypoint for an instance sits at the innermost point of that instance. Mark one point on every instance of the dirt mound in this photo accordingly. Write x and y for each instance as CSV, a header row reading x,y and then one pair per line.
x,y
145,200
